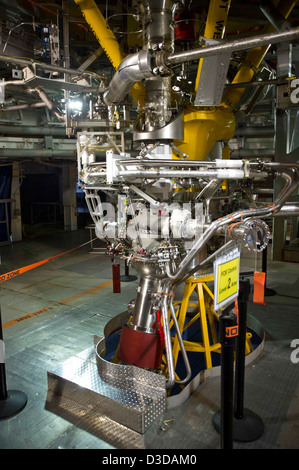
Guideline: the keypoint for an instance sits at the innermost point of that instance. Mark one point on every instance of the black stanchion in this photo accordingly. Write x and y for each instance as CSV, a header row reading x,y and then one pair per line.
x,y
223,419
247,425
11,401
267,291
127,277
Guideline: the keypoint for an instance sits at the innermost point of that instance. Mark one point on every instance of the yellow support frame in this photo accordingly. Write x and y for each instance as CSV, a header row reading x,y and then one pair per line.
x,y
108,41
203,127
207,317
205,314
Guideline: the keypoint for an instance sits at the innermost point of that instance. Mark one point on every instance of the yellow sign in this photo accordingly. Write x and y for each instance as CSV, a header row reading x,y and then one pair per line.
x,y
226,274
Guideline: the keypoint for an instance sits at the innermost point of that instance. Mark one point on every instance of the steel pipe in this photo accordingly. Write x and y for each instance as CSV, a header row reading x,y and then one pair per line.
x,y
258,83
48,102
31,130
23,106
209,259
36,153
252,153
159,173
289,209
41,65
138,66
254,131
42,95
182,163
182,346
232,46
167,338
273,15
267,210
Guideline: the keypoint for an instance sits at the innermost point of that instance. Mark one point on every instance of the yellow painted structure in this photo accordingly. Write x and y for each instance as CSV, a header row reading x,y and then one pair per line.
x,y
203,127
215,25
205,314
108,41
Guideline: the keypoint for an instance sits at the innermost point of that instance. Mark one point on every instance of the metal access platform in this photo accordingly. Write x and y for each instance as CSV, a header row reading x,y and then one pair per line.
x,y
114,401
128,395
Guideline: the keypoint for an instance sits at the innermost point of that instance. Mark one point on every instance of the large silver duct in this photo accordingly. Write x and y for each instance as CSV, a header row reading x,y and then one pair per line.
x,y
158,25
133,68
157,120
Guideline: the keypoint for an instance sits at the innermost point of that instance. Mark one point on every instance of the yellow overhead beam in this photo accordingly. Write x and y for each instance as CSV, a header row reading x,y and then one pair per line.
x,y
108,41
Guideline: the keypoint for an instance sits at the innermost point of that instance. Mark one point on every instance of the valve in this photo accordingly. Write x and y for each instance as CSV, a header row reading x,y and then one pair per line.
x,y
253,234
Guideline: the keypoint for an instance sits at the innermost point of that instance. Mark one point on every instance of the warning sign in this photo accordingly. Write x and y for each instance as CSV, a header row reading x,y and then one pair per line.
x,y
226,276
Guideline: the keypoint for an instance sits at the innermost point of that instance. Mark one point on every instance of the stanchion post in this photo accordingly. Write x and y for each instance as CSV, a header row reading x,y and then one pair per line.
x,y
116,278
223,419
243,297
127,277
3,387
247,425
11,401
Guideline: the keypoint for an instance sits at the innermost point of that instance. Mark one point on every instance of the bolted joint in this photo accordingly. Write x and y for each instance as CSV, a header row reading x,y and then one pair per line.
x,y
160,64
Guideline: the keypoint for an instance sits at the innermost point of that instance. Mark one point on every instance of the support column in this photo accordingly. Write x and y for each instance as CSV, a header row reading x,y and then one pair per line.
x,y
69,178
16,218
282,147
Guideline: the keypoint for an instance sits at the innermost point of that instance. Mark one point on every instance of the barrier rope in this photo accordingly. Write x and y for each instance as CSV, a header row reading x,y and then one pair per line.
x,y
17,272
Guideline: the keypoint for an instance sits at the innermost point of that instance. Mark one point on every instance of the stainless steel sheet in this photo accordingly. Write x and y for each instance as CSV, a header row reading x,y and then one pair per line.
x,y
128,395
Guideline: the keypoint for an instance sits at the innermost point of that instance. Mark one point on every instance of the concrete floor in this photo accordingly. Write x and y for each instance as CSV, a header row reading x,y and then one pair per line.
x,y
52,312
